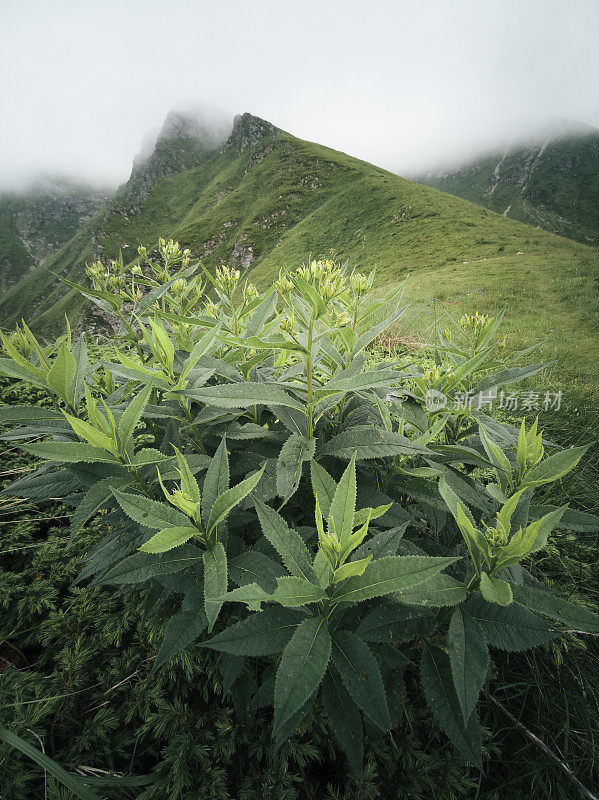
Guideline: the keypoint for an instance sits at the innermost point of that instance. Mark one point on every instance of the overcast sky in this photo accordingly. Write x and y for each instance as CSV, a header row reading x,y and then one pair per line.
x,y
405,85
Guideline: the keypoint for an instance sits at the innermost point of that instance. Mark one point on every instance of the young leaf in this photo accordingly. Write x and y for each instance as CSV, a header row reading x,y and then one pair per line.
x,y
351,568
343,505
301,669
132,415
62,373
495,590
150,513
344,719
92,435
554,467
390,574
361,676
168,538
469,659
261,634
288,544
437,682
227,501
69,452
215,581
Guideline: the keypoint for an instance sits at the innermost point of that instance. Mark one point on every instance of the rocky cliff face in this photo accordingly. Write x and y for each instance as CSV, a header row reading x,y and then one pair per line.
x,y
248,131
184,140
551,182
36,222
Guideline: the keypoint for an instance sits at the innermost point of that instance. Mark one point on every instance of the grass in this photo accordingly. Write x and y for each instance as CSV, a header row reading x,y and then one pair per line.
x,y
273,204
554,188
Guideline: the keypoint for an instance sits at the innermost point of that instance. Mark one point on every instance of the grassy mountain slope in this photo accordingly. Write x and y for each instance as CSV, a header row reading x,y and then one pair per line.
x,y
39,220
551,183
267,200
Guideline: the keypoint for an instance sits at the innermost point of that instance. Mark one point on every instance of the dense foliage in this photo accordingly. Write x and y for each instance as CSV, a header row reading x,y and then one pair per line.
x,y
245,440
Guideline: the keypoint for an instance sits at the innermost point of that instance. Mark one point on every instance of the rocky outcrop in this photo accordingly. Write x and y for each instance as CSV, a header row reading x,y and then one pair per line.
x,y
248,131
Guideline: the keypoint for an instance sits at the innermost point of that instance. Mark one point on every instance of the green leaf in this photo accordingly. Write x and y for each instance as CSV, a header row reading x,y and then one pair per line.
x,y
351,568
288,544
261,634
251,593
294,452
168,538
244,395
469,659
183,628
150,513
226,502
92,435
390,622
95,498
556,608
301,669
361,676
216,481
323,487
511,375
495,590
390,574
438,591
366,441
74,783
510,627
69,452
215,581
141,567
437,682
343,505
292,591
344,719
358,383
554,467
254,567
132,415
62,373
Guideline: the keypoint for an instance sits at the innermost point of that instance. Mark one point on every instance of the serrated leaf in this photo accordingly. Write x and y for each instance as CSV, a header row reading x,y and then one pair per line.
x,y
323,487
168,538
366,441
215,581
390,622
288,544
344,718
95,498
183,628
226,502
261,634
554,467
62,373
556,608
437,682
294,452
244,395
255,567
469,659
510,627
216,481
361,676
132,415
141,566
69,452
340,521
390,574
293,591
495,590
436,592
301,669
150,513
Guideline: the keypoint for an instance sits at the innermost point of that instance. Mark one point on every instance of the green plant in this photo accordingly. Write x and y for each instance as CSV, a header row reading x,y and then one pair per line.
x,y
398,533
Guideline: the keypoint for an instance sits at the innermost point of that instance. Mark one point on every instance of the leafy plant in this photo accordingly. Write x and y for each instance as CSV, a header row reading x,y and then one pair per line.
x,y
250,443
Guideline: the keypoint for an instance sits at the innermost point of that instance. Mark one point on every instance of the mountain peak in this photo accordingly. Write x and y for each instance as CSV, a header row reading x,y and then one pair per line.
x,y
247,131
